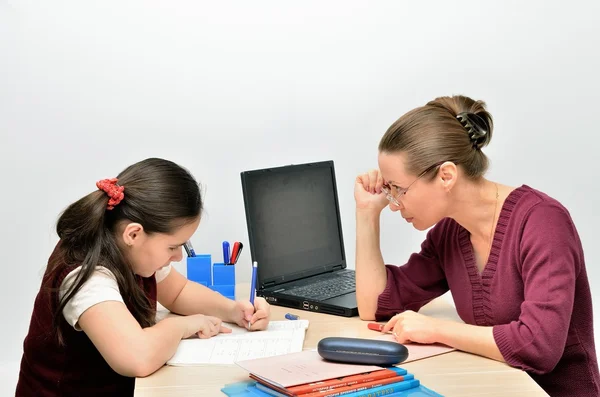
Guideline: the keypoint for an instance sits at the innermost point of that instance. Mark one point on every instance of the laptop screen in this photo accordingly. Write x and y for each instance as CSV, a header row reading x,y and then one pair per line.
x,y
292,214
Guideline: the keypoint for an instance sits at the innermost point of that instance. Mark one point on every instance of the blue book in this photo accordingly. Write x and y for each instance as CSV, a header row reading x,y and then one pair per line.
x,y
249,389
386,390
275,393
420,391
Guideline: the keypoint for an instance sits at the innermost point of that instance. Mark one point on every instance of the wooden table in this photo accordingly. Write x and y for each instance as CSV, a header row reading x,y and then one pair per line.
x,y
450,374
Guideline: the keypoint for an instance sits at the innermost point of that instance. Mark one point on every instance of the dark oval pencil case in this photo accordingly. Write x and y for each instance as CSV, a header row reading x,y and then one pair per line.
x,y
362,351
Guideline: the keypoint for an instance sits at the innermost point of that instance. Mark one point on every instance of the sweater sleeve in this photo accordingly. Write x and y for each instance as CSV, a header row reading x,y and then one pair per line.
x,y
415,283
551,259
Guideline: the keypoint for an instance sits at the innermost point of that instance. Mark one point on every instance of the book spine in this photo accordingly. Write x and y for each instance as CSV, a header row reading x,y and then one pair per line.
x,y
346,381
262,382
268,390
386,389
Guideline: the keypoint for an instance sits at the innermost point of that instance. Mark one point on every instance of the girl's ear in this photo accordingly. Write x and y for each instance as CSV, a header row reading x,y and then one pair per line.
x,y
132,234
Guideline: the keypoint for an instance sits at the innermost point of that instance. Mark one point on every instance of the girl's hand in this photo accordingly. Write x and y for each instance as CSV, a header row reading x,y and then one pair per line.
x,y
243,313
204,326
414,327
367,192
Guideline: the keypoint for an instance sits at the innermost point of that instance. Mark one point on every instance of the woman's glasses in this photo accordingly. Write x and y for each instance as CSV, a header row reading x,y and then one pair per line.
x,y
393,193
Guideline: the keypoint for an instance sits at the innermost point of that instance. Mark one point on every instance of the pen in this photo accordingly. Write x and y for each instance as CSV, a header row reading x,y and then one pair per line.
x,y
238,254
291,316
376,326
226,252
234,252
189,249
253,286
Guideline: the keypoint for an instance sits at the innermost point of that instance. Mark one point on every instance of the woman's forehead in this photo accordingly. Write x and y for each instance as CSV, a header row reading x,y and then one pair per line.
x,y
391,166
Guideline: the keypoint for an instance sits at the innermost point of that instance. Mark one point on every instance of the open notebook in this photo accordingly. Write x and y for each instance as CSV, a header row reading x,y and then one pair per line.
x,y
281,337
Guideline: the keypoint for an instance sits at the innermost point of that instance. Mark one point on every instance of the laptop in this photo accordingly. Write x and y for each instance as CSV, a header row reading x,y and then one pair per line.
x,y
295,236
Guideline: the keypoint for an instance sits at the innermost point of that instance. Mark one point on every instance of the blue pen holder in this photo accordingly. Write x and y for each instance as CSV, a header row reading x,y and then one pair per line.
x,y
198,269
222,279
223,275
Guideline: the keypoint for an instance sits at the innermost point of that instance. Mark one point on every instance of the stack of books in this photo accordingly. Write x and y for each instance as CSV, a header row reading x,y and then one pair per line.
x,y
306,374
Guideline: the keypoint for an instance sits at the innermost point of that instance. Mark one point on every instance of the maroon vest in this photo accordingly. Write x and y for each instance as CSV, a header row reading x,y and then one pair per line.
x,y
75,368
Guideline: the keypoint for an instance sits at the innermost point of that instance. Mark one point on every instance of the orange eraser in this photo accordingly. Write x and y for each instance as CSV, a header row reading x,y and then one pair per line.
x,y
375,326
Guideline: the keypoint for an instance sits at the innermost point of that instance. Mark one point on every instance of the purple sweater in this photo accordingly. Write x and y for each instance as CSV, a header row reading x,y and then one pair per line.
x,y
534,290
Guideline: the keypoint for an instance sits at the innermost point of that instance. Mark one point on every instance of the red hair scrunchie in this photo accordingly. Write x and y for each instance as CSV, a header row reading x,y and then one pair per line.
x,y
112,190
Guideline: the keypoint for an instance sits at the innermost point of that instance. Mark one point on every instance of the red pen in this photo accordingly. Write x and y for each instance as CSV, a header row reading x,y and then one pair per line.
x,y
234,252
376,326
238,253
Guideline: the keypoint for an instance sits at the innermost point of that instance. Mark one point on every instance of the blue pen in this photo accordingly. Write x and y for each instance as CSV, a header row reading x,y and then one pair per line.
x,y
226,252
187,249
253,286
190,248
291,316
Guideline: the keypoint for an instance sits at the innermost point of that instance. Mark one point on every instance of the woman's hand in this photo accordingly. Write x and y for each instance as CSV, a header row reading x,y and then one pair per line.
x,y
368,193
253,318
414,327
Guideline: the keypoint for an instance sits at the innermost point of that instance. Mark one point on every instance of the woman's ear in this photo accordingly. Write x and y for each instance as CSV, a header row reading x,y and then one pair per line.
x,y
448,173
132,233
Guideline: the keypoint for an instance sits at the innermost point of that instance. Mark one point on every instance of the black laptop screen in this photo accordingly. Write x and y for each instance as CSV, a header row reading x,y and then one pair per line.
x,y
293,220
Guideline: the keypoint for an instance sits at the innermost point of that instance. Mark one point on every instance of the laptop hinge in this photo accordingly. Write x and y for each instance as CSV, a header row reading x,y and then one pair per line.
x,y
338,267
269,284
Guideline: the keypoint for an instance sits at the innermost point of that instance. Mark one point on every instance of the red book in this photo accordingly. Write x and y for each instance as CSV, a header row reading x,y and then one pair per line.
x,y
356,387
330,384
345,381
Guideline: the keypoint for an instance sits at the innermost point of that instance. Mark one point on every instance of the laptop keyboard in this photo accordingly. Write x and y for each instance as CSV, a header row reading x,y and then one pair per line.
x,y
325,289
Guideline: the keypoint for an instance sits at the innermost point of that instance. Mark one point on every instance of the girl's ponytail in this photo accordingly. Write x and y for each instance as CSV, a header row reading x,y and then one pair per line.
x,y
158,194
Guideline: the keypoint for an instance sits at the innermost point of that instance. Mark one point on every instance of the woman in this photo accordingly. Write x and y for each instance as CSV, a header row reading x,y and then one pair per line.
x,y
511,257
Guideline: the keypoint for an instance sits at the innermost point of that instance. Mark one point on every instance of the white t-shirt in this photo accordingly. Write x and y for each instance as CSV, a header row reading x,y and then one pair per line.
x,y
100,287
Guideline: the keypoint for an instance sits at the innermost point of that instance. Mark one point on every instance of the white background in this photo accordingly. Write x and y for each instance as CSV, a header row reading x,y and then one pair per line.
x,y
87,88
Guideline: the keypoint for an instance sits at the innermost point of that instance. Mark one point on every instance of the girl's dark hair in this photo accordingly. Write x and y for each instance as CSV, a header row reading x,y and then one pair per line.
x,y
432,134
159,194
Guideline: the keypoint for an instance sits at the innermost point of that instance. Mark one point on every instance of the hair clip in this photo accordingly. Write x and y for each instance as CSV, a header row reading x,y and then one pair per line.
x,y
476,127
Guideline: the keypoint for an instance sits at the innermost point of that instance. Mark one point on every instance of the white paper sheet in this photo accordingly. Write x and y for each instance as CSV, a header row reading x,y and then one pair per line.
x,y
281,337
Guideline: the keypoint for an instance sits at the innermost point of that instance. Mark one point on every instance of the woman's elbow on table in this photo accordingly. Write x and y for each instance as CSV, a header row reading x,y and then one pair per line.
x,y
366,315
367,305
538,365
536,355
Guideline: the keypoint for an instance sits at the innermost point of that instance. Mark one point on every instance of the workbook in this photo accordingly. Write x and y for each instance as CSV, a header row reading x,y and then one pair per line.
x,y
301,368
280,337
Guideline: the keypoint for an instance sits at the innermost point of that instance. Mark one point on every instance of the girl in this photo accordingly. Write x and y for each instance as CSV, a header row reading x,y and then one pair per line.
x,y
93,325
511,256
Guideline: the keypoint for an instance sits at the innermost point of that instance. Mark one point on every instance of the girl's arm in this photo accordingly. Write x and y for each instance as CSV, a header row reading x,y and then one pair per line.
x,y
185,297
136,352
